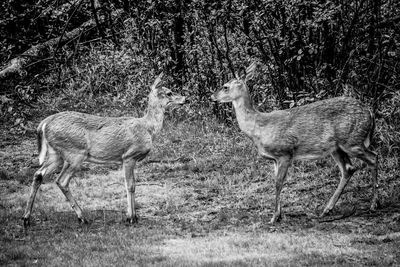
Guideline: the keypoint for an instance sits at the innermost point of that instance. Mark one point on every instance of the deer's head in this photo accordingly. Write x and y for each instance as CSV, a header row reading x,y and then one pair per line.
x,y
163,96
236,87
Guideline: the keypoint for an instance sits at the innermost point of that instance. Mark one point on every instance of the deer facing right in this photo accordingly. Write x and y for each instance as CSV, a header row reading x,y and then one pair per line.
x,y
70,138
341,127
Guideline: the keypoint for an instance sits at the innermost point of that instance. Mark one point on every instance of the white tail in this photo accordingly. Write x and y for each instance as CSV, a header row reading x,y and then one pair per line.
x,y
42,143
70,138
341,127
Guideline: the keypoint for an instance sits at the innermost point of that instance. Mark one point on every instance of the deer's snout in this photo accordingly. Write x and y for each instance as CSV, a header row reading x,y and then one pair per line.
x,y
213,97
182,100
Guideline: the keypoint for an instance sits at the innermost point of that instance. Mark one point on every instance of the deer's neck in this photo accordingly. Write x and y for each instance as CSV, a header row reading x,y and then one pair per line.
x,y
154,118
245,114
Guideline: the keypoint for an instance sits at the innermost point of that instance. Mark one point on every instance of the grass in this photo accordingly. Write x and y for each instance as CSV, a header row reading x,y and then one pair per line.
x,y
204,199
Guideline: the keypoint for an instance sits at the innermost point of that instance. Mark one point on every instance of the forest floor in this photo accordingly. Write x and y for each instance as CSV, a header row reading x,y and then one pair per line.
x,y
204,199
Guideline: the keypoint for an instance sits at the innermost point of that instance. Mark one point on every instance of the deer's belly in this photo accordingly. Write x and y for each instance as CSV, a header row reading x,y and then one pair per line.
x,y
311,154
106,154
103,161
275,151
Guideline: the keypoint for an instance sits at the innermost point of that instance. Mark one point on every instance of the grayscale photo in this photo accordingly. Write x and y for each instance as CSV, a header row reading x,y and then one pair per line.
x,y
199,133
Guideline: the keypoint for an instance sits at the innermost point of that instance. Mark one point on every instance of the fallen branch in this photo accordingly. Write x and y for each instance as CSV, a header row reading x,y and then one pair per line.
x,y
31,56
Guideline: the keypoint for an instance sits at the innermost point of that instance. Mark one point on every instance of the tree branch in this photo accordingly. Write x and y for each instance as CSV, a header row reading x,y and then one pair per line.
x,y
18,64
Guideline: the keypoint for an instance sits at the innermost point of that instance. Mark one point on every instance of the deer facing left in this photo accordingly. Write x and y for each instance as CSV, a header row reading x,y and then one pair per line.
x,y
69,138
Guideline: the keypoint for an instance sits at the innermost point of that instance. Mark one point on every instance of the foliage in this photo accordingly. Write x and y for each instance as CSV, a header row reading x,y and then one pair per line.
x,y
309,50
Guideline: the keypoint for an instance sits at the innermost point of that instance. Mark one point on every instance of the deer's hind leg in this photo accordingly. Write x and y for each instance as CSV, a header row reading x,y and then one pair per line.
x,y
63,180
371,158
51,164
346,168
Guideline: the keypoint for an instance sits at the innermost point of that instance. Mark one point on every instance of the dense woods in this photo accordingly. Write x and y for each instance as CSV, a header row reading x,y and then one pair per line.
x,y
87,55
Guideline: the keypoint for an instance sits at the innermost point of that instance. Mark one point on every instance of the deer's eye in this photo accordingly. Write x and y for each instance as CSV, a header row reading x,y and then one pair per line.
x,y
169,93
226,89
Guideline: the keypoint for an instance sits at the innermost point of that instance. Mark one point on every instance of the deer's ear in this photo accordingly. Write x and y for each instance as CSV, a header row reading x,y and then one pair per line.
x,y
241,74
251,70
157,81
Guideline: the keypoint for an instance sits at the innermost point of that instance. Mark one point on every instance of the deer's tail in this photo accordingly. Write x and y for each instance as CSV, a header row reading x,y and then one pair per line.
x,y
42,143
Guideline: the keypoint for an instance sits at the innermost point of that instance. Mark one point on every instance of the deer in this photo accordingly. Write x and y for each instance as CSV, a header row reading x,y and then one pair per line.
x,y
341,127
70,138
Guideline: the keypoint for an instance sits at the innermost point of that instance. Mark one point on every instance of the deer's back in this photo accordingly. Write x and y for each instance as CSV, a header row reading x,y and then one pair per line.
x,y
316,129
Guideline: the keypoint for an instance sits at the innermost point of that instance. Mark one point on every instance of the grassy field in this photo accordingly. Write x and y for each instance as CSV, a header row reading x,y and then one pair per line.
x,y
204,199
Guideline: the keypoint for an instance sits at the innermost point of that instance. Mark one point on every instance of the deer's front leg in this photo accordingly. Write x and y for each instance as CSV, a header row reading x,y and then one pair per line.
x,y
281,167
129,166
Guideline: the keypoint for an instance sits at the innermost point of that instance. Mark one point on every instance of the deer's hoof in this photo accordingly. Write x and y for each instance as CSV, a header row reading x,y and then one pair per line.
x,y
83,221
325,213
132,220
276,218
27,222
